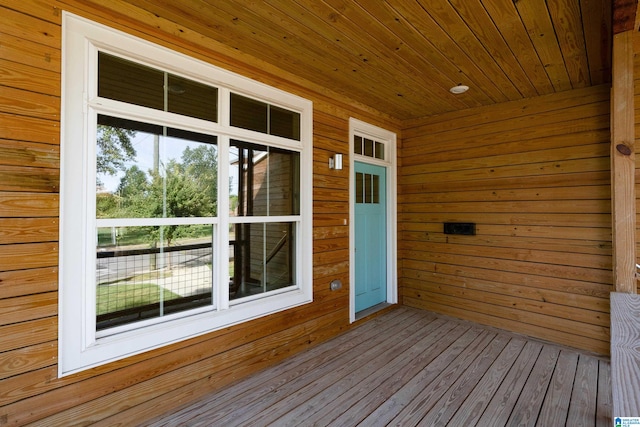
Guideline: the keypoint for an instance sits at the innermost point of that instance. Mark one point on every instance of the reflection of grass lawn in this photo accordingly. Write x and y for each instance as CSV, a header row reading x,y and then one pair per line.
x,y
119,297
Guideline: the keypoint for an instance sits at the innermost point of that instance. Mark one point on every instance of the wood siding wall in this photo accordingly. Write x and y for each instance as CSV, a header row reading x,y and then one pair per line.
x,y
534,175
140,387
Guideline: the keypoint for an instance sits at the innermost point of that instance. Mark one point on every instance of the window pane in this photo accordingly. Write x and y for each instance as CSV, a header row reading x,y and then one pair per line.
x,y
279,255
368,147
142,173
368,187
379,150
247,113
264,180
262,258
192,99
357,144
143,273
376,188
137,84
129,82
284,123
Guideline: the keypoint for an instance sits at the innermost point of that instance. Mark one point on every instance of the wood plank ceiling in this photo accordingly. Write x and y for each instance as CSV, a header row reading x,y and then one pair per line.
x,y
402,56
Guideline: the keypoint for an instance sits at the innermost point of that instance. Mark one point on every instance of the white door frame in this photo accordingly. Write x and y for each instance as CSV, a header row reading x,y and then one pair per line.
x,y
358,127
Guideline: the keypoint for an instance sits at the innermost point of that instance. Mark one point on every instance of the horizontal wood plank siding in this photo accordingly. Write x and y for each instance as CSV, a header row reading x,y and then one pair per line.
x,y
29,183
534,177
133,390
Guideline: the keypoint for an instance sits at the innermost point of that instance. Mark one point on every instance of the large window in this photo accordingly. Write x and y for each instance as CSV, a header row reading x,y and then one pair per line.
x,y
183,202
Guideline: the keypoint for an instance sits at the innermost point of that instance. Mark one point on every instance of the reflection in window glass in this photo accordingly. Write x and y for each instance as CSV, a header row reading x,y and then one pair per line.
x,y
192,99
367,188
284,123
368,147
142,173
130,82
264,180
375,188
247,113
262,258
379,150
127,81
357,144
146,272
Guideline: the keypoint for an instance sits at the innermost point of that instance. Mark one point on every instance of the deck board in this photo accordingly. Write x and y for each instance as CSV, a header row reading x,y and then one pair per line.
x,y
503,401
527,408
625,353
356,407
447,406
556,402
478,400
336,370
582,409
604,401
344,400
412,367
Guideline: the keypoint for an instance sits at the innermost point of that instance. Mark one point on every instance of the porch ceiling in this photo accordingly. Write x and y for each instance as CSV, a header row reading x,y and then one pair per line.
x,y
402,56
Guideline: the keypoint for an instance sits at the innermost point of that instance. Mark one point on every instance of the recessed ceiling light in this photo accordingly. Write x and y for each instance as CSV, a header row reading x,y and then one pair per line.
x,y
459,89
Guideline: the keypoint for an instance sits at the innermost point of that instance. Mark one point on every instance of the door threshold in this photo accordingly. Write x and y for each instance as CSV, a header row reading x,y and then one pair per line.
x,y
368,311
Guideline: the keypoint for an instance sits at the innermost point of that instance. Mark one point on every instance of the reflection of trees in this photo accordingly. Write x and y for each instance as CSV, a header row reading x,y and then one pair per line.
x,y
177,194
185,188
114,149
201,162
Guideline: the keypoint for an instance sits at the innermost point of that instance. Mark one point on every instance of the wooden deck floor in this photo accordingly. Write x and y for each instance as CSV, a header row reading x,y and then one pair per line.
x,y
411,367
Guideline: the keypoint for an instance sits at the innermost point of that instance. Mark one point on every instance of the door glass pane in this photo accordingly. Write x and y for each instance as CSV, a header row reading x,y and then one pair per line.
x,y
376,188
368,188
359,187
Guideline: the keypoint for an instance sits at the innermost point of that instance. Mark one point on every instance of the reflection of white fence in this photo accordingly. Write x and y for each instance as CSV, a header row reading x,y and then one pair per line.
x,y
189,263
129,285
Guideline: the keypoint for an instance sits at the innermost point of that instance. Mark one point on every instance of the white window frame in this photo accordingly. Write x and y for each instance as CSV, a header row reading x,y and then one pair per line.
x,y
79,346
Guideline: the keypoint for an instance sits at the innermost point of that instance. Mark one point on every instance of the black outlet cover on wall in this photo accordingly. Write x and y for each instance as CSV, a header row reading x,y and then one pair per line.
x,y
464,228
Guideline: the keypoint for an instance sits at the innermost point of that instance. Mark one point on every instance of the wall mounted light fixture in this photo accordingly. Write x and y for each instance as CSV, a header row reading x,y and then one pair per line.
x,y
335,162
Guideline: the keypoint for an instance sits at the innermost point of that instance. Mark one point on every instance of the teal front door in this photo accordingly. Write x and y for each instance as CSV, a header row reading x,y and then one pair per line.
x,y
370,235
